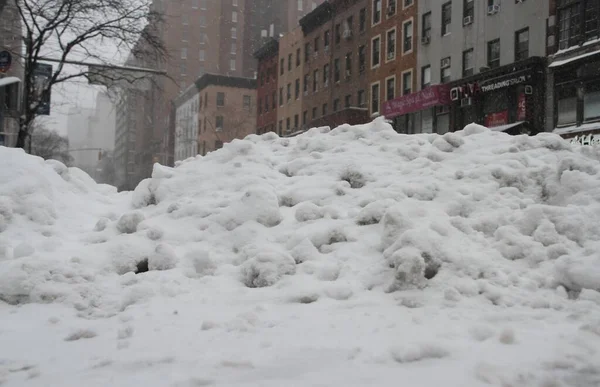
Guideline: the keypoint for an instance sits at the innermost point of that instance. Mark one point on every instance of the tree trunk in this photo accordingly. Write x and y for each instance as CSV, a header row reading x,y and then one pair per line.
x,y
22,137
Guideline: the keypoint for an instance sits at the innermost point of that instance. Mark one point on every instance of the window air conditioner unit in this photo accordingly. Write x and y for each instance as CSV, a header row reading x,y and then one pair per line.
x,y
425,40
390,55
465,102
347,34
446,63
492,9
467,20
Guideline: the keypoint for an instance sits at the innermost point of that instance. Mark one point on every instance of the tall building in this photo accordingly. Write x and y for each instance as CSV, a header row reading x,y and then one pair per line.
x,y
10,82
81,138
490,55
266,87
573,97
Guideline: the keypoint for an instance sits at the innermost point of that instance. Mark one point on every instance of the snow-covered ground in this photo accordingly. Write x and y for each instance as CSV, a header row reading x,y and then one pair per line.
x,y
351,257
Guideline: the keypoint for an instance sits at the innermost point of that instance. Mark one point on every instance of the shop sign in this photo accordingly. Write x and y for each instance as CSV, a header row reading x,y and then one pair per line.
x,y
426,98
465,91
504,83
521,108
496,119
589,139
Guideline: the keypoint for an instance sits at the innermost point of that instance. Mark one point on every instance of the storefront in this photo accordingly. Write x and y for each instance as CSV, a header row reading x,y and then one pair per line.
x,y
509,98
425,111
577,98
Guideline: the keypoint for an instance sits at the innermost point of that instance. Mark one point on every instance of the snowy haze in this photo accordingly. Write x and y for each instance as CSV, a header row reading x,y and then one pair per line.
x,y
350,257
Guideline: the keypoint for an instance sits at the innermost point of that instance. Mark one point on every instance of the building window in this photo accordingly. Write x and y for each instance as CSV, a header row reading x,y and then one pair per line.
x,y
288,124
425,76
493,53
408,3
362,20
274,100
260,109
298,57
468,66
591,102
569,23
567,106
282,66
324,109
445,72
234,17
375,52
315,81
348,101
266,103
314,113
289,92
281,96
336,70
219,122
426,26
446,17
306,53
305,86
522,44
407,83
280,127
247,102
326,39
408,37
233,48
376,11
300,5
338,34
184,53
232,64
375,98
220,99
326,75
390,88
316,45
336,105
183,71
296,122
592,20
362,59
202,21
305,118
202,55
297,88
468,11
391,45
233,33
348,65
290,58
391,8
361,98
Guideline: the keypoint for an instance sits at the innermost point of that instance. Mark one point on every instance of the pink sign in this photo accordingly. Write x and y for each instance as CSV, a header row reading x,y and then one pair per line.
x,y
426,98
522,108
496,119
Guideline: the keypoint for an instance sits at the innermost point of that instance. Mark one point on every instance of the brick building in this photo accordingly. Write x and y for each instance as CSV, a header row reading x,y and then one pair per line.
x,y
266,86
226,110
392,56
292,57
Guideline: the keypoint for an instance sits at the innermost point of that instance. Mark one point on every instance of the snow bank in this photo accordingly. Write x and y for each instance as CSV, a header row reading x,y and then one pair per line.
x,y
458,226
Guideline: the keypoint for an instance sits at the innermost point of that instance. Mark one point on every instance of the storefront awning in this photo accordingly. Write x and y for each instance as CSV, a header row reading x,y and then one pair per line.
x,y
563,62
8,81
504,128
432,96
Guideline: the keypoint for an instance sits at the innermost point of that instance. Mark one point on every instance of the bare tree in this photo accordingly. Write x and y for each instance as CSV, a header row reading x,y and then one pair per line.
x,y
48,144
73,31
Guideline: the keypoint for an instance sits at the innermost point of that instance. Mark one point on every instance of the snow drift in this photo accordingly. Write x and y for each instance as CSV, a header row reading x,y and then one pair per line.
x,y
474,230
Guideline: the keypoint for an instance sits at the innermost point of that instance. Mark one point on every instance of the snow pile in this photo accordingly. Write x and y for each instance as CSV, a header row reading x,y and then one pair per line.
x,y
338,257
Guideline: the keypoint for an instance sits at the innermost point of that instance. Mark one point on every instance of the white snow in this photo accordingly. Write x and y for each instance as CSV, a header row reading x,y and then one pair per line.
x,y
347,257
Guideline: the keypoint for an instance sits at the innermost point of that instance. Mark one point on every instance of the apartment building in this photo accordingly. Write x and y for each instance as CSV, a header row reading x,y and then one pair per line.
x,y
10,81
393,56
573,104
226,110
491,57
187,107
293,54
335,84
267,86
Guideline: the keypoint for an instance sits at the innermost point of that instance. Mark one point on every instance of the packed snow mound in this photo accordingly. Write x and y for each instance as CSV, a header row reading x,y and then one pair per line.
x,y
473,229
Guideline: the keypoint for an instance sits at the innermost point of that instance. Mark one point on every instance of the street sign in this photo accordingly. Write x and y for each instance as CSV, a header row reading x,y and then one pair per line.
x,y
41,76
5,61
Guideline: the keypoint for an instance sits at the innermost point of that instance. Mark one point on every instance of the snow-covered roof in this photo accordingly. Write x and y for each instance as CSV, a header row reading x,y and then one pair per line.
x,y
8,81
563,62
